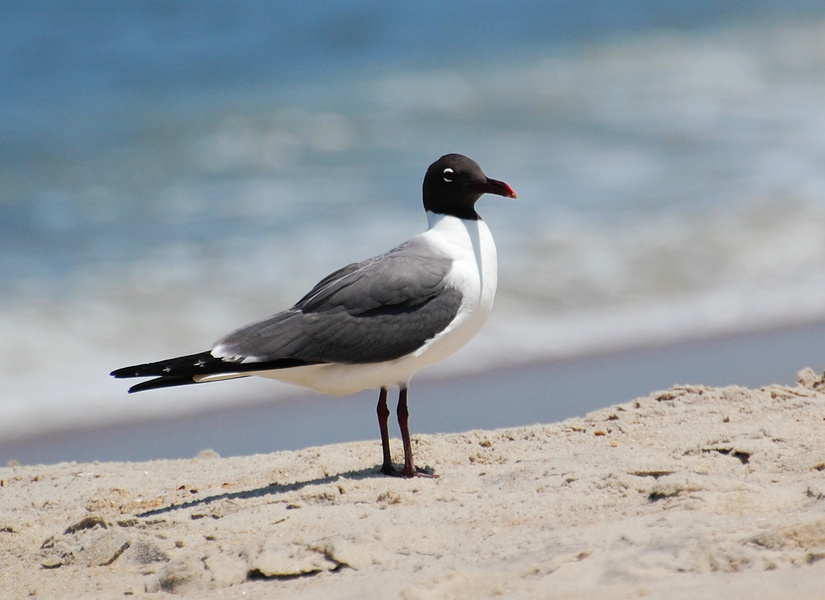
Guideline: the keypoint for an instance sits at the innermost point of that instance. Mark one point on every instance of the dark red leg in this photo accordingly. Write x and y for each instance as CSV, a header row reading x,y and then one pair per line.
x,y
383,417
403,412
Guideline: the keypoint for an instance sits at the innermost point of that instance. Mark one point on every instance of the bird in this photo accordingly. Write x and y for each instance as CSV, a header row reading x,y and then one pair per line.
x,y
375,323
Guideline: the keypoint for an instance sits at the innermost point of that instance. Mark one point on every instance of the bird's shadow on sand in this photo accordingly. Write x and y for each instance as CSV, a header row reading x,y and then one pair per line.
x,y
269,490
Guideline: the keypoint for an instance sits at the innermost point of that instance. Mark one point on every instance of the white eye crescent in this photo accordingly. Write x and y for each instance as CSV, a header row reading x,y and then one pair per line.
x,y
448,174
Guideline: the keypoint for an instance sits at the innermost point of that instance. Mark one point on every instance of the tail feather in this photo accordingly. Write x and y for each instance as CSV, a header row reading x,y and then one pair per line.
x,y
186,370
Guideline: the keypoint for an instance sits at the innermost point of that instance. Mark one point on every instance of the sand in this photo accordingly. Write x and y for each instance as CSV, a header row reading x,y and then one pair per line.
x,y
687,492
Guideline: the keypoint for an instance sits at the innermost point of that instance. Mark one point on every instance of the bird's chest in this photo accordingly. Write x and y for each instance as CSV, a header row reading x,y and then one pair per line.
x,y
473,273
474,270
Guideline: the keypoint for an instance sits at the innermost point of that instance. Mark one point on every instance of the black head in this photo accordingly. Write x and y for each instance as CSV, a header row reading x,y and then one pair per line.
x,y
454,183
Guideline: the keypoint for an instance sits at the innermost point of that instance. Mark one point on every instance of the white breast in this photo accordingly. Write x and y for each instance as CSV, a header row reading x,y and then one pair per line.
x,y
474,273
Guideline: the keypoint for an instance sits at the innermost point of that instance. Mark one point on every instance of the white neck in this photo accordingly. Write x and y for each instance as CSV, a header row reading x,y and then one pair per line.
x,y
470,244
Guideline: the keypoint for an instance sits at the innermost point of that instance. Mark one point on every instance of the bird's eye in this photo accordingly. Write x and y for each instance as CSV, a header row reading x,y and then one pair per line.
x,y
448,175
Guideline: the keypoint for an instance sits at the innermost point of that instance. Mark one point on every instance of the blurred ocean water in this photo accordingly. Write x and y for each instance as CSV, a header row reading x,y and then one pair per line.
x,y
169,172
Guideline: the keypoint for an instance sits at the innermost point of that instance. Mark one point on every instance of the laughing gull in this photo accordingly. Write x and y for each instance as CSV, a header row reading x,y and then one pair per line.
x,y
373,323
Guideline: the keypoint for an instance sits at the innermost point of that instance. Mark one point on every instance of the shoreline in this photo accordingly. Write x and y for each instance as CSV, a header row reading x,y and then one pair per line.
x,y
688,491
537,392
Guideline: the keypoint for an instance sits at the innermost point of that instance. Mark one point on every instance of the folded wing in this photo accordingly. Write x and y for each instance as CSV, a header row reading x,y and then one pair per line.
x,y
377,310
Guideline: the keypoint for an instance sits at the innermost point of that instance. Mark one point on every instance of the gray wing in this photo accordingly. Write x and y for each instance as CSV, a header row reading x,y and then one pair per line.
x,y
373,311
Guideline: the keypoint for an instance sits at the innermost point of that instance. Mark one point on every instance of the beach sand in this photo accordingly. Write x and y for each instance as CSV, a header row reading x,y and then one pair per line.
x,y
686,492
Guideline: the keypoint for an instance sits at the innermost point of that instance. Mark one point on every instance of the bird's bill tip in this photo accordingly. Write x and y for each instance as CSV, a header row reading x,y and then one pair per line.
x,y
499,188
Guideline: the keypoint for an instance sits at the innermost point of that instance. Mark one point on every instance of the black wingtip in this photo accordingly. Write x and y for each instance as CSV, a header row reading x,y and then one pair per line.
x,y
186,370
162,382
124,373
201,363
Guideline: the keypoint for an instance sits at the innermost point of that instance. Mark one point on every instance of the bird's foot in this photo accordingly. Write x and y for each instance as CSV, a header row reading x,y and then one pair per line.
x,y
389,469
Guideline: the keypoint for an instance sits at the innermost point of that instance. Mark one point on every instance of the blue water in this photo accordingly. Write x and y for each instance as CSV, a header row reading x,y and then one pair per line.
x,y
169,171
